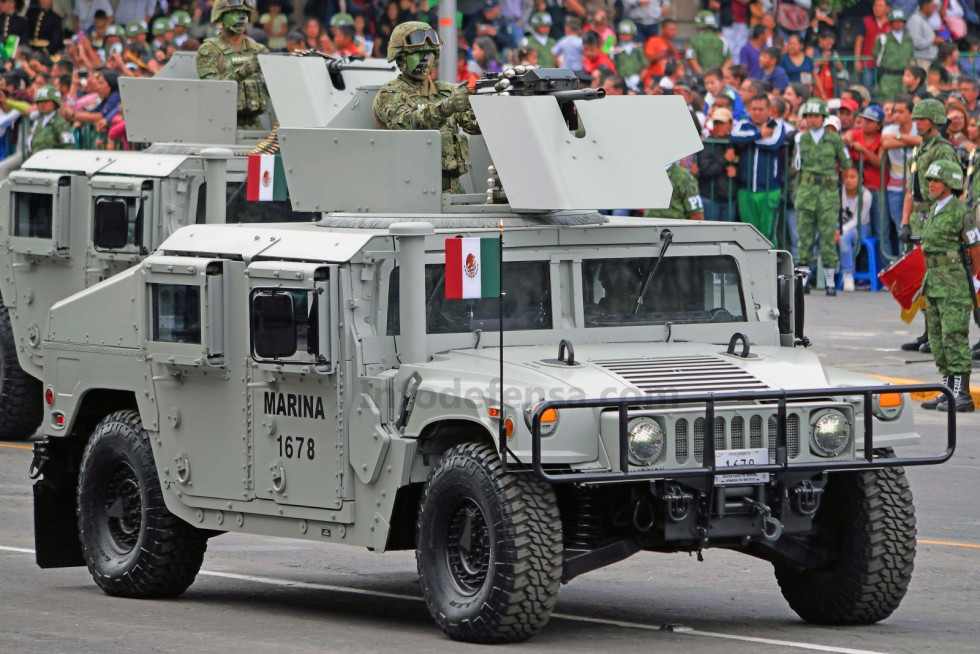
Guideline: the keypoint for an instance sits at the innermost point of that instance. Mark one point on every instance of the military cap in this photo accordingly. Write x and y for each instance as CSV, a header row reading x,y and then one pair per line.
x,y
48,93
930,109
115,30
341,19
896,16
181,18
161,25
412,36
947,172
814,106
540,18
705,18
136,27
626,27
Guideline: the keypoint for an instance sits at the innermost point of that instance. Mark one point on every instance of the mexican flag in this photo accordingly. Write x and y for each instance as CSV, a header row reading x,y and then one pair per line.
x,y
266,178
472,268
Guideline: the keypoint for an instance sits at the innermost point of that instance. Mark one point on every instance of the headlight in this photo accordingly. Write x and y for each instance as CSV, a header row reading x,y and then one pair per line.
x,y
831,433
646,441
549,418
887,406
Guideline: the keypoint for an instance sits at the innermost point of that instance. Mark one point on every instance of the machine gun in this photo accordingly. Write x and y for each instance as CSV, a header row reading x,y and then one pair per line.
x,y
560,83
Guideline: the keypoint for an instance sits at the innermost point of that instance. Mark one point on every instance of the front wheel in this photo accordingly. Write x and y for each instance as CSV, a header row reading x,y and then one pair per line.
x,y
489,548
21,409
868,520
133,545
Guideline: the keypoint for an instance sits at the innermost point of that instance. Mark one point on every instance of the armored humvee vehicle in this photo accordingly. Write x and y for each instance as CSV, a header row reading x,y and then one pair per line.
x,y
69,219
637,387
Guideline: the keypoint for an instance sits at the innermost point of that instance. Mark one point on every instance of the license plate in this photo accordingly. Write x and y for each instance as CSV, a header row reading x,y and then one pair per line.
x,y
728,459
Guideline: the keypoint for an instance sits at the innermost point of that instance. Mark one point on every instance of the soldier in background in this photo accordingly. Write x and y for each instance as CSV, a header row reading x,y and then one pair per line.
x,y
50,130
949,239
233,56
44,26
892,54
819,151
929,115
414,101
540,40
685,201
707,49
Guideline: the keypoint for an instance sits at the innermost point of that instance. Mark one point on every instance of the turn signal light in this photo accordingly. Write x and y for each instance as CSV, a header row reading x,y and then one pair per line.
x,y
509,427
58,420
886,400
549,415
49,396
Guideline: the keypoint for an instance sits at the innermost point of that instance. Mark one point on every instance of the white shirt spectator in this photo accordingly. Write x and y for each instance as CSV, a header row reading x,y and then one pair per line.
x,y
129,10
85,11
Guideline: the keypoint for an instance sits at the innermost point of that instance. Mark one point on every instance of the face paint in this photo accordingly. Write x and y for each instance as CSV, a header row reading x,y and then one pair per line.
x,y
420,65
235,21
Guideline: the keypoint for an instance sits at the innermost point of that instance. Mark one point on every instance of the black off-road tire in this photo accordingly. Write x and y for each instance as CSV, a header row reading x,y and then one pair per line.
x,y
868,518
489,549
133,545
21,407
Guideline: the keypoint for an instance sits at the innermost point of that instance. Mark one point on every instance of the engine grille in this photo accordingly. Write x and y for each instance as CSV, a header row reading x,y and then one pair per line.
x,y
682,374
730,435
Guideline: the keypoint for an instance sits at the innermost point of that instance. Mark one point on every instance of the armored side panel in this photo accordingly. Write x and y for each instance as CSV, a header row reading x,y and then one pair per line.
x,y
182,65
205,112
305,92
616,160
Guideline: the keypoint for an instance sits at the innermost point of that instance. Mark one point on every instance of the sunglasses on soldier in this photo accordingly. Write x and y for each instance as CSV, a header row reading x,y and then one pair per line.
x,y
418,37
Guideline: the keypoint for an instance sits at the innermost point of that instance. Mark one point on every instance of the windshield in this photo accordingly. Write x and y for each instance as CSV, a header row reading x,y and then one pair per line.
x,y
527,301
684,290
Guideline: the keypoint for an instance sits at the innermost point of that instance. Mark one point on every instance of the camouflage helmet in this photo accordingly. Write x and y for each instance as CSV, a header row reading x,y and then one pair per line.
x,y
539,19
930,109
181,18
411,36
221,7
896,15
705,18
115,30
48,93
947,172
814,107
626,27
136,27
161,25
341,19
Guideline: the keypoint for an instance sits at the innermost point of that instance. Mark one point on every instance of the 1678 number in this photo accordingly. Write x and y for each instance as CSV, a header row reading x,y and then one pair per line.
x,y
296,447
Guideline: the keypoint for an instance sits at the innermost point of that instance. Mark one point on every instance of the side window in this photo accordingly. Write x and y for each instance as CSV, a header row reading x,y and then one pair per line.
x,y
240,210
119,223
176,313
33,214
285,325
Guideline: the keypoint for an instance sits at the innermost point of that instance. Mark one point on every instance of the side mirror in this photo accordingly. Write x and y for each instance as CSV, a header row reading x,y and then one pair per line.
x,y
800,275
111,224
785,289
273,325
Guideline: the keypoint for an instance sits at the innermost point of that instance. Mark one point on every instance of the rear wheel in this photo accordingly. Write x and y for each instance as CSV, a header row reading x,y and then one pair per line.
x,y
868,520
133,545
489,548
20,394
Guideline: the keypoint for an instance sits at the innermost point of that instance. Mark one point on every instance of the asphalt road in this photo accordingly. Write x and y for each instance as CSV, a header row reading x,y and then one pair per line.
x,y
260,594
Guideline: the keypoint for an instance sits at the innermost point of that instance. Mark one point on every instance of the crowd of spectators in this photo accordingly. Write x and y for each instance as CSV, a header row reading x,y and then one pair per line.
x,y
744,72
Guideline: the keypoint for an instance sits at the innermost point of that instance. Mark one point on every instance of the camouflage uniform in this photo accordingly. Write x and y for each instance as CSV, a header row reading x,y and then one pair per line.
x,y
891,58
933,148
949,232
410,103
217,58
817,196
706,47
545,58
50,131
629,61
685,201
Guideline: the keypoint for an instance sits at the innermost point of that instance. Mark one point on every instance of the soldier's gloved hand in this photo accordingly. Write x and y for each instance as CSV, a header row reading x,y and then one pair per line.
x,y
249,68
905,234
456,103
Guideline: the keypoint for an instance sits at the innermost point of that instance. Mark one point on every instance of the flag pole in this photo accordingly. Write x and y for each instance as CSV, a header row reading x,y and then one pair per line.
x,y
502,430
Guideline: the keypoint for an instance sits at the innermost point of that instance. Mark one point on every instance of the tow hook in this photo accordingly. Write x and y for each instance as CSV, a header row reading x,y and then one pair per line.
x,y
772,528
806,498
40,459
677,503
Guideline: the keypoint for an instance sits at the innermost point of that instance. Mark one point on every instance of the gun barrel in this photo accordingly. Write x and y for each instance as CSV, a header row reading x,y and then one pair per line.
x,y
580,94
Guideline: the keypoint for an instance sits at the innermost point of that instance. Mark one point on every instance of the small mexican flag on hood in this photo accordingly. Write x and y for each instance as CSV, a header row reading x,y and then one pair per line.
x,y
266,178
472,268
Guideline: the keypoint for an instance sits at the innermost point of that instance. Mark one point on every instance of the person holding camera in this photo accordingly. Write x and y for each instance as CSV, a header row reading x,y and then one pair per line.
x,y
855,201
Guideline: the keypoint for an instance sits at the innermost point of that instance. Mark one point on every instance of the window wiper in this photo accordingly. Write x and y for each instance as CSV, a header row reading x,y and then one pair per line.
x,y
666,237
435,289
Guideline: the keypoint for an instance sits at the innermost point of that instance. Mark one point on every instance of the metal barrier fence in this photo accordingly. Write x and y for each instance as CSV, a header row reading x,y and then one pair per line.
x,y
879,227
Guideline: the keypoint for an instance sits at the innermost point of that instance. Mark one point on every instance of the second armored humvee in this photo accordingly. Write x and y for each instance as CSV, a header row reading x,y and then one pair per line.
x,y
71,218
638,386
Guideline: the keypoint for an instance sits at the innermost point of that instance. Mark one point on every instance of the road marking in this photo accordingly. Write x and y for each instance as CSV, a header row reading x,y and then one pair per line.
x,y
289,583
17,447
919,397
948,543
